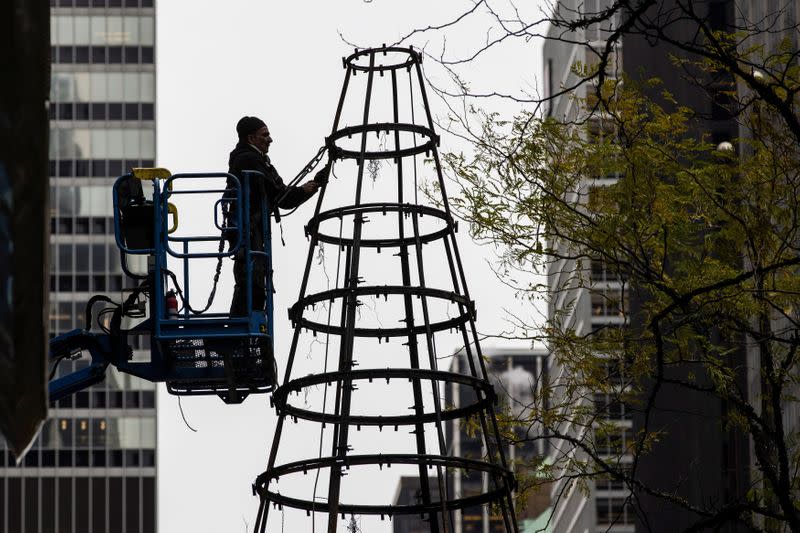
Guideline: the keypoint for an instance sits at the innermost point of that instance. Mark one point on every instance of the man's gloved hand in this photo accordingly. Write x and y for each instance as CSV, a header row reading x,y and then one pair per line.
x,y
322,176
310,187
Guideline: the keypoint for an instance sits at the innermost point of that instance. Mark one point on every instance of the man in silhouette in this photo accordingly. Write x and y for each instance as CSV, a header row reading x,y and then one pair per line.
x,y
250,153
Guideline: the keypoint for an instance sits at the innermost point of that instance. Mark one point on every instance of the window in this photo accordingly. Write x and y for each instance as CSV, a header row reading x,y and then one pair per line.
x,y
82,257
98,257
601,272
98,459
147,111
32,458
148,457
114,111
64,432
98,401
614,511
82,111
611,407
131,54
99,509
147,55
82,225
81,54
98,54
114,54
131,112
64,225
615,443
65,257
99,283
609,302
82,458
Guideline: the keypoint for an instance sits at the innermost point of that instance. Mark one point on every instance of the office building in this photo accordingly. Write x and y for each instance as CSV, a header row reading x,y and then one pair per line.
x,y
92,469
515,375
694,445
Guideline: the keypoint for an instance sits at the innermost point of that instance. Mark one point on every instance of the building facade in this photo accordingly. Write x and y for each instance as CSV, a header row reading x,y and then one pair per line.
x,y
696,458
586,297
92,469
515,375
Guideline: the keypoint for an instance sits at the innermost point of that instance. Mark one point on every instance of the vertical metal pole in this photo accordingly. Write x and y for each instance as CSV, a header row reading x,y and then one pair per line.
x,y
246,236
508,514
346,350
268,273
493,448
437,404
160,261
340,106
185,277
419,428
263,511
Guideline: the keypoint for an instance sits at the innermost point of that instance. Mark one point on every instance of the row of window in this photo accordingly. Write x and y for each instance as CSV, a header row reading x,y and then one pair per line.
x,y
617,511
102,54
610,407
85,283
101,29
103,86
613,334
600,272
97,398
81,225
101,3
609,484
69,143
101,111
78,505
615,443
84,257
87,458
123,432
95,168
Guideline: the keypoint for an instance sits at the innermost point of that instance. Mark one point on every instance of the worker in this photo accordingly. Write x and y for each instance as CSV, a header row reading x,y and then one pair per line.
x,y
250,153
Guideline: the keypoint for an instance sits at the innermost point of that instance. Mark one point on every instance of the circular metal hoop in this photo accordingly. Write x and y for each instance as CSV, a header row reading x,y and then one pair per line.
x,y
409,58
280,397
313,227
432,140
504,479
467,310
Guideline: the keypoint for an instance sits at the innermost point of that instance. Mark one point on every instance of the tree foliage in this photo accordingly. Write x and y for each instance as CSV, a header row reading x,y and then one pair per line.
x,y
702,237
706,242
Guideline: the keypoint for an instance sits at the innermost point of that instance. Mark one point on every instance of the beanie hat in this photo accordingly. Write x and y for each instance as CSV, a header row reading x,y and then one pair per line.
x,y
248,125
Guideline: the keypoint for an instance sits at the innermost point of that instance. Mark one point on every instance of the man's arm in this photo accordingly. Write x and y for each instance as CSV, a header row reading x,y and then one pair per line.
x,y
294,196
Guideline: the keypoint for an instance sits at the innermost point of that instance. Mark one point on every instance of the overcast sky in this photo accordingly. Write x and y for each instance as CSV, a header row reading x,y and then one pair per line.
x,y
281,61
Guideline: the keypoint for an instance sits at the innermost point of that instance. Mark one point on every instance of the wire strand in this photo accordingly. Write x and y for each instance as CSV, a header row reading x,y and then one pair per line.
x,y
180,407
325,391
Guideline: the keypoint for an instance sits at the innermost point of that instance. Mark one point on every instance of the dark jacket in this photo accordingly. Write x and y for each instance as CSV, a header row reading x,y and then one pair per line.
x,y
245,157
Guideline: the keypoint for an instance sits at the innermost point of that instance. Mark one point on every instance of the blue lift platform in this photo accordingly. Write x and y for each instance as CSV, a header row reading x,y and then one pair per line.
x,y
193,352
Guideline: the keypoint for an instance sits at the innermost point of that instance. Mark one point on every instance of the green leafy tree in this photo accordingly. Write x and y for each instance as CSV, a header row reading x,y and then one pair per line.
x,y
706,242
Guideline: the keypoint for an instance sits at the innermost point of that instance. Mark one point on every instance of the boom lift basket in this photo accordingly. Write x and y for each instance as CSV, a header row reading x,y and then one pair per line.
x,y
196,352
